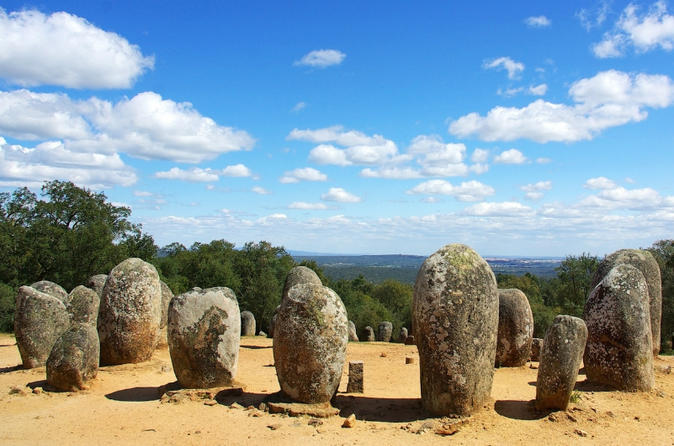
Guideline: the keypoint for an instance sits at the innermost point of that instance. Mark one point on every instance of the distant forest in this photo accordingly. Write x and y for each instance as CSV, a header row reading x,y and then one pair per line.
x,y
70,234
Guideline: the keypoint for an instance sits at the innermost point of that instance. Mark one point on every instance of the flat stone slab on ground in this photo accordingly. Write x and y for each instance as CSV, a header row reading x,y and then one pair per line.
x,y
319,410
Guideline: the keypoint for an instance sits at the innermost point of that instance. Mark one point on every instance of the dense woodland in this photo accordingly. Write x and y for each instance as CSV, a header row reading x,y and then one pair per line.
x,y
69,234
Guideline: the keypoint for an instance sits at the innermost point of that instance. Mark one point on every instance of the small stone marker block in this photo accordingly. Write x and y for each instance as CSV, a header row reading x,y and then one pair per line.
x,y
355,377
409,360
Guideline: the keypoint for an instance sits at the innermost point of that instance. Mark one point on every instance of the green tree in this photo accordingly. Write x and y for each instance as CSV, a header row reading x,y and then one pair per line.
x,y
574,280
532,287
663,251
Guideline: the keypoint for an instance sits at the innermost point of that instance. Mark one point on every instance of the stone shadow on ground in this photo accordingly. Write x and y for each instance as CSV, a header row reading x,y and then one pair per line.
x,y
228,397
12,368
589,386
520,410
255,347
135,394
395,410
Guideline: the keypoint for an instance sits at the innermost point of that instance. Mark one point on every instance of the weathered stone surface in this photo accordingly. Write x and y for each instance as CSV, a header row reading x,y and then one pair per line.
x,y
53,289
619,345
166,296
455,320
310,340
203,335
536,349
97,283
353,336
384,331
402,336
297,275
410,340
369,334
39,320
646,263
84,305
355,384
515,328
74,358
130,313
560,360
272,322
247,324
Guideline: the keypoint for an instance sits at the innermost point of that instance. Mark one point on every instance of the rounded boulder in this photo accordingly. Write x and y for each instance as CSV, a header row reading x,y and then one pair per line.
x,y
515,328
310,339
84,305
74,358
455,320
203,337
130,313
384,331
297,275
248,327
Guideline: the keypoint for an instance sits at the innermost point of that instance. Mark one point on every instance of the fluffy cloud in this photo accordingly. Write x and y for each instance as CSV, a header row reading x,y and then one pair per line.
x,y
304,174
65,50
621,198
322,58
538,90
599,183
538,22
340,195
511,156
502,209
480,156
513,68
260,190
307,206
145,126
467,191
237,170
535,191
22,166
610,98
194,175
392,173
654,28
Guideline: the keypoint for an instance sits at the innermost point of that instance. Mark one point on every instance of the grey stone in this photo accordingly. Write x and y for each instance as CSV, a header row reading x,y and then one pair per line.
x,y
247,324
130,313
402,336
410,340
74,358
84,305
262,333
355,384
369,334
297,275
204,336
97,283
619,345
272,322
455,320
536,349
310,341
646,263
53,289
560,360
515,328
353,336
384,331
39,320
166,296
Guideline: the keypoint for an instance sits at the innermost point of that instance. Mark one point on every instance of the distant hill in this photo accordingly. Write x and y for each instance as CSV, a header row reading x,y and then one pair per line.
x,y
404,268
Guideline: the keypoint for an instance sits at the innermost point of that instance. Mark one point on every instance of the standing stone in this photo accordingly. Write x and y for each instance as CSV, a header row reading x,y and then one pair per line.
x,y
310,341
272,322
97,283
203,337
166,296
74,358
39,320
560,360
384,331
130,313
515,328
410,340
369,334
53,289
353,336
536,349
402,336
646,263
297,275
84,305
247,324
619,345
355,384
455,320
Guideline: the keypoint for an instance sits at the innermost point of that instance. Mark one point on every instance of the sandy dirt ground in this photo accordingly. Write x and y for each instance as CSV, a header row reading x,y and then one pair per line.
x,y
123,406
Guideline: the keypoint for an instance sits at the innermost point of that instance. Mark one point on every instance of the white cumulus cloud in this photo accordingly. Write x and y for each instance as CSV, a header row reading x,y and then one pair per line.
x,y
237,170
260,190
322,58
599,183
340,195
500,209
540,21
535,191
512,67
308,206
66,50
466,191
303,174
511,156
610,98
538,90
195,174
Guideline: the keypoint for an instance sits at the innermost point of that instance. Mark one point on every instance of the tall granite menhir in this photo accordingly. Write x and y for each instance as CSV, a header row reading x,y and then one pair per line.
x,y
455,320
130,313
646,263
310,339
515,328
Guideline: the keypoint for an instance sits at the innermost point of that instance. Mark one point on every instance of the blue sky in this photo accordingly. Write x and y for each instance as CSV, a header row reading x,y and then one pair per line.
x,y
518,128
